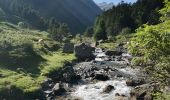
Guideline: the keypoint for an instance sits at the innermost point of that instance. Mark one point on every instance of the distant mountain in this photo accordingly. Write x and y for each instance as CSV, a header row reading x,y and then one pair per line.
x,y
78,14
105,6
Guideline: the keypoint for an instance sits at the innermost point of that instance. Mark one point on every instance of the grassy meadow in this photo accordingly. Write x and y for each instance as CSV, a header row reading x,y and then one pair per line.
x,y
25,63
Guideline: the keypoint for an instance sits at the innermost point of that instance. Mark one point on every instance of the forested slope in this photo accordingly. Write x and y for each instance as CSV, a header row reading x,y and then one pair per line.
x,y
127,17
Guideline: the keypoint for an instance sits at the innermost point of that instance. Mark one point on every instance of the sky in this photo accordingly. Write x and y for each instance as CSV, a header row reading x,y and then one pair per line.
x,y
114,1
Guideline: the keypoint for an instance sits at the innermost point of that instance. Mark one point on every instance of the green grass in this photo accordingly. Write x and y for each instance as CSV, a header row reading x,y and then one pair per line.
x,y
20,80
24,63
107,46
113,43
56,61
26,82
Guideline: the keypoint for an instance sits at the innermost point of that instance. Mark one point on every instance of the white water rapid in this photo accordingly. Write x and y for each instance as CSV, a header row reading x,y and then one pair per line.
x,y
95,91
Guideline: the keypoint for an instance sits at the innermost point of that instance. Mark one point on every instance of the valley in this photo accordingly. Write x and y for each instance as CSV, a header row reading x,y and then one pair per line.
x,y
74,50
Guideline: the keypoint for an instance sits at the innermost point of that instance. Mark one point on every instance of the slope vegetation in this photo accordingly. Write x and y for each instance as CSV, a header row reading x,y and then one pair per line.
x,y
25,63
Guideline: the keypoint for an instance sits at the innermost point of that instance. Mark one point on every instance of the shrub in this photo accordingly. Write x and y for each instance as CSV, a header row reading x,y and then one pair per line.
x,y
152,45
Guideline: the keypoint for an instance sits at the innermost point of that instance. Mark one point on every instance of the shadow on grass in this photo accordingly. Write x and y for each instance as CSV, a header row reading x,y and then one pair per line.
x,y
14,93
27,61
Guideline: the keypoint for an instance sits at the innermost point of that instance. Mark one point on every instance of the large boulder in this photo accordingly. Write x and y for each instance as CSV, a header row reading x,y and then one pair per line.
x,y
64,74
101,76
68,48
84,52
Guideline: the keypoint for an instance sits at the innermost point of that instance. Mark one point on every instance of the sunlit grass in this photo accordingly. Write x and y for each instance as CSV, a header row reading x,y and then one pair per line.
x,y
21,81
56,61
108,45
26,82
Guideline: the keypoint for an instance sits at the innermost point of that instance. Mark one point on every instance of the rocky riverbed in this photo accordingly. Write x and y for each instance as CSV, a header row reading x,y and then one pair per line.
x,y
108,77
105,81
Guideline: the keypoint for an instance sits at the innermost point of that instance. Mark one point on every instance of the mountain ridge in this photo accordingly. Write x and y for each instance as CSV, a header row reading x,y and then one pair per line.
x,y
78,14
105,6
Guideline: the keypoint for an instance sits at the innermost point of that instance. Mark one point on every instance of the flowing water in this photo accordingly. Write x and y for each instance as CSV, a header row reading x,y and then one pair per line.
x,y
119,74
95,91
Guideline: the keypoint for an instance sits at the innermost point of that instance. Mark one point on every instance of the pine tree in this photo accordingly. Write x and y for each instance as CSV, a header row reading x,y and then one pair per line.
x,y
100,32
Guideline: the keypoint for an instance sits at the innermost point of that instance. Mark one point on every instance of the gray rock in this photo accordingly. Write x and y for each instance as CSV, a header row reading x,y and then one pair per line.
x,y
134,82
48,83
66,86
84,52
108,89
68,48
101,77
58,89
65,74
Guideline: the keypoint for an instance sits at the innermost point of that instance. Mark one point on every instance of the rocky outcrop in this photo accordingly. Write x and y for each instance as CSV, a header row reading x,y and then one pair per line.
x,y
57,90
84,52
101,71
59,82
65,74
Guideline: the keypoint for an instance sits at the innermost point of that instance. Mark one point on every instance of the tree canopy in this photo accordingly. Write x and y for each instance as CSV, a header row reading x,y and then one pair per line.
x,y
127,15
